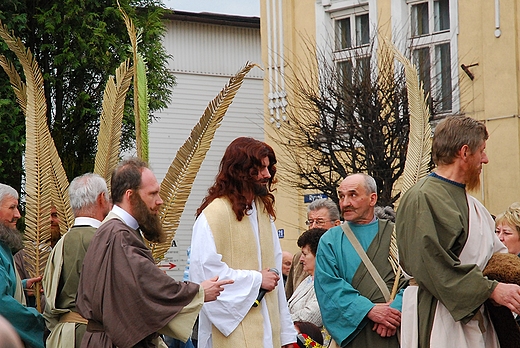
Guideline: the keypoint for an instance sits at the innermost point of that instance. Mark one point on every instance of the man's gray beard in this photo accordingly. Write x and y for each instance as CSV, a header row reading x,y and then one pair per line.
x,y
11,237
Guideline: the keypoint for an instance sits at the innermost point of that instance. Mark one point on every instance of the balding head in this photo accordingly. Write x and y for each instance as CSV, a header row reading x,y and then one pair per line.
x,y
357,198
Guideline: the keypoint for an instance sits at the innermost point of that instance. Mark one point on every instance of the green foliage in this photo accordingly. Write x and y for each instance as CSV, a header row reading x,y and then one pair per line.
x,y
78,44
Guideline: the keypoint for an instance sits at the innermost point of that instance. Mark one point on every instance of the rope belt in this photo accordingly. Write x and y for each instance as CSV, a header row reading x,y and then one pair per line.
x,y
72,317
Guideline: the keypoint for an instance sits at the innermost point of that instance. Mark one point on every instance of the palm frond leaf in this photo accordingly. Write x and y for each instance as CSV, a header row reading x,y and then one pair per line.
x,y
20,90
109,136
418,155
37,159
176,186
139,123
142,105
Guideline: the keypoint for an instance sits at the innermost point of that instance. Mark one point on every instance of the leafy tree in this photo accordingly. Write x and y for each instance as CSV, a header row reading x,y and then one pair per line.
x,y
78,44
345,118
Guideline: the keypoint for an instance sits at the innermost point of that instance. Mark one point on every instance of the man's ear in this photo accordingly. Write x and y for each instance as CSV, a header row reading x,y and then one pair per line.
x,y
129,193
373,199
464,152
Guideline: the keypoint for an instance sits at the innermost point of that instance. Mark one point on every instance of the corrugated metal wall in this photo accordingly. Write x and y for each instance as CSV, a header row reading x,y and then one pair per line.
x,y
205,55
212,49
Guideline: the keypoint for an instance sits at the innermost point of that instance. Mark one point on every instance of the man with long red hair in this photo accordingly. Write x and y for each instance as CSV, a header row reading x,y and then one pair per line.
x,y
234,237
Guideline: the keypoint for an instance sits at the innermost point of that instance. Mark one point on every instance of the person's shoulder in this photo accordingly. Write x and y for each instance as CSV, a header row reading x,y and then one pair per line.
x,y
332,233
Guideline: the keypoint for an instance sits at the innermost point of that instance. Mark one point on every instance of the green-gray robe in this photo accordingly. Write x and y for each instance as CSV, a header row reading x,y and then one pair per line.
x,y
432,228
61,281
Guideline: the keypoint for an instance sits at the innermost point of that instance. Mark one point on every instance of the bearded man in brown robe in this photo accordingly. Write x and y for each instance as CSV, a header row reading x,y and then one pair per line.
x,y
125,297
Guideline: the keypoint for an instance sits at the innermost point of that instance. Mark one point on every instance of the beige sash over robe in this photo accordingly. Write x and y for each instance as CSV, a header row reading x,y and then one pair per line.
x,y
235,241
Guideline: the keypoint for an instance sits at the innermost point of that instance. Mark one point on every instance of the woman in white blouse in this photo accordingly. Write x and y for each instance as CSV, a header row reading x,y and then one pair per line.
x,y
303,304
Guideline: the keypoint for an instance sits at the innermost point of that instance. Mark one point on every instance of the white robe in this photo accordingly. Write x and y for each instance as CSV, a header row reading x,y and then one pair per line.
x,y
481,244
236,300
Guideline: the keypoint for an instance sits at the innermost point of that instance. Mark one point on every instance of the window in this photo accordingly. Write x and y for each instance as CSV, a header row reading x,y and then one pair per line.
x,y
352,51
431,50
346,27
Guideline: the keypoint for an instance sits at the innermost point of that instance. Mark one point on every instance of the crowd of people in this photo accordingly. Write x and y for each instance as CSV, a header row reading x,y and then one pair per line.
x,y
103,289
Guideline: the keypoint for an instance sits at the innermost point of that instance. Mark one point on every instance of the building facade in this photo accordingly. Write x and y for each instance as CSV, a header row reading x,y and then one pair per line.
x,y
467,53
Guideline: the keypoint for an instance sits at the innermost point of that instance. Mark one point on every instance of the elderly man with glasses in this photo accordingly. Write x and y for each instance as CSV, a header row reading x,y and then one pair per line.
x,y
321,213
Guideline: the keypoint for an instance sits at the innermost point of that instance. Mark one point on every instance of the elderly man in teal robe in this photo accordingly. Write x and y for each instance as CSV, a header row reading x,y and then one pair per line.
x,y
354,309
27,322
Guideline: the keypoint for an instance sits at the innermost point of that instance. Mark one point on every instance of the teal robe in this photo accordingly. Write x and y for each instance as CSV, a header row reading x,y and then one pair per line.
x,y
27,322
345,289
432,228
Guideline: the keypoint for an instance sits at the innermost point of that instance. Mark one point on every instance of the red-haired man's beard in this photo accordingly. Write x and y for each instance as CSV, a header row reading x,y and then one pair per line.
x,y
149,223
473,178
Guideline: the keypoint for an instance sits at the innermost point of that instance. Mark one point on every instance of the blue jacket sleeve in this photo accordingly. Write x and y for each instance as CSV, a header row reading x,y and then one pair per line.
x,y
28,323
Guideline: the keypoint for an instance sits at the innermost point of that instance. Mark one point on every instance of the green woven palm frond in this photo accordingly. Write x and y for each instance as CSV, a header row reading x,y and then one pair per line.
x,y
142,100
176,186
20,90
141,118
109,137
38,183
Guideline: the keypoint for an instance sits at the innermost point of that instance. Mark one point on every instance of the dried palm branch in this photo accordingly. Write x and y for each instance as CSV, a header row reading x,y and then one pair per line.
x,y
140,90
418,156
37,160
60,198
20,90
109,136
176,186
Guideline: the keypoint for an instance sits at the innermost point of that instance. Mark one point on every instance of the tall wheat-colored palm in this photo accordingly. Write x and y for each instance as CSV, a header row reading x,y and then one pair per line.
x,y
46,183
176,186
418,156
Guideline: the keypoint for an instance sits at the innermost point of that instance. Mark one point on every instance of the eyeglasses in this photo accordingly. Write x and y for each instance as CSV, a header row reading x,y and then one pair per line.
x,y
317,222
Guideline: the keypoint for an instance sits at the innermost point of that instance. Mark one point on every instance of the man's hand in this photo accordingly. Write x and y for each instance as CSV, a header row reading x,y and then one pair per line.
x,y
383,331
507,295
30,285
385,316
269,280
213,287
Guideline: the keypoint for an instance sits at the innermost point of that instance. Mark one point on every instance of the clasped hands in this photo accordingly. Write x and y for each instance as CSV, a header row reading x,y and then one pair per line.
x,y
386,319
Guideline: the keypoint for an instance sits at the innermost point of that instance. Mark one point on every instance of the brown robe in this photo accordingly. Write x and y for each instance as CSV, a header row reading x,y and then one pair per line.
x,y
123,291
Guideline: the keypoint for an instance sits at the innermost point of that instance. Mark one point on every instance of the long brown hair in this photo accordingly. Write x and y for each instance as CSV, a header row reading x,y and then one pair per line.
x,y
235,180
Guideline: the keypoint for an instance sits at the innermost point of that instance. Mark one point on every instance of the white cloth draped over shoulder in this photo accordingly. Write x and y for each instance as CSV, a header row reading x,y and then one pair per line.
x,y
481,244
236,300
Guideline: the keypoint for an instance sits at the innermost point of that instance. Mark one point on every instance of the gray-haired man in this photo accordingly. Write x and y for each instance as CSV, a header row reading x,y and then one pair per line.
x,y
90,203
321,213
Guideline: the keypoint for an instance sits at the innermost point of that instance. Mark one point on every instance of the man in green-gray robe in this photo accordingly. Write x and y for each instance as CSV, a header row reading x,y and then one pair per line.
x,y
90,203
353,307
445,238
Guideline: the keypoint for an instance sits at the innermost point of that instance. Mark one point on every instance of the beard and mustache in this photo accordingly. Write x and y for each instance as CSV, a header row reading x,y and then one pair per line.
x,y
149,224
11,237
473,178
260,188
